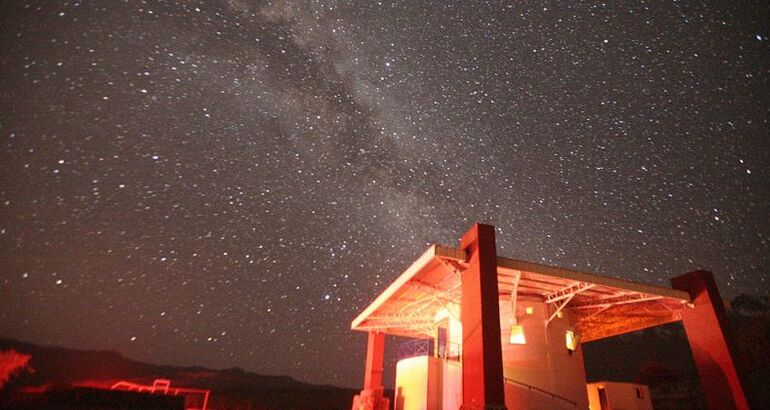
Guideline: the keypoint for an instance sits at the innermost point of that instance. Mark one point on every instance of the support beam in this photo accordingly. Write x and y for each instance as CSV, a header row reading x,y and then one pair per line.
x,y
372,396
451,295
616,300
482,354
559,308
514,294
568,292
452,266
564,296
375,350
708,334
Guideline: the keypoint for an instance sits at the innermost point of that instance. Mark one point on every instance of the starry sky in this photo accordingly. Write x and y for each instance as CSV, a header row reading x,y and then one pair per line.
x,y
228,183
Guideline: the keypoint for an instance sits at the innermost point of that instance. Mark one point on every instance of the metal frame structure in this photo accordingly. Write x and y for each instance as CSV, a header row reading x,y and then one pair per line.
x,y
164,386
474,278
604,306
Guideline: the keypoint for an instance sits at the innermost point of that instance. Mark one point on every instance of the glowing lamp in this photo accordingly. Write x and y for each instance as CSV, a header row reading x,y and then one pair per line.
x,y
517,335
571,340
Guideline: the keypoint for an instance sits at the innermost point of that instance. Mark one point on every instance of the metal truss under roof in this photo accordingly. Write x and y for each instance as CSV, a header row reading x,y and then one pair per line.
x,y
603,306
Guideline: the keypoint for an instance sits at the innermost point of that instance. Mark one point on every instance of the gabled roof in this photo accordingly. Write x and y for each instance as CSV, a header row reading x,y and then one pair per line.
x,y
603,306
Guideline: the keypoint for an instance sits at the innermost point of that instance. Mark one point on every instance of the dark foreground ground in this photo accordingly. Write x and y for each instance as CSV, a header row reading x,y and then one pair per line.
x,y
73,379
60,378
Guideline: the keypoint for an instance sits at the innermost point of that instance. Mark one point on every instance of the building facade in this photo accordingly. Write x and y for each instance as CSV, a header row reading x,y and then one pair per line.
x,y
495,333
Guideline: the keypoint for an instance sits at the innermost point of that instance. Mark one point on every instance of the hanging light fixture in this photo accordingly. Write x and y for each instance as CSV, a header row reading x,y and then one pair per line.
x,y
517,335
517,330
571,340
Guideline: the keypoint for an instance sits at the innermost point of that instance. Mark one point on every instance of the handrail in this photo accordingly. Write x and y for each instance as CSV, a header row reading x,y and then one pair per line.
x,y
416,347
541,391
427,347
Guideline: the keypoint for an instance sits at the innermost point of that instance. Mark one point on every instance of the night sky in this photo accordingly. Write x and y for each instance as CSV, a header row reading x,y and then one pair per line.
x,y
229,183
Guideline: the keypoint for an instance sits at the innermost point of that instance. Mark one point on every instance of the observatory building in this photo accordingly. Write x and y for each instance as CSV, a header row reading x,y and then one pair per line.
x,y
493,333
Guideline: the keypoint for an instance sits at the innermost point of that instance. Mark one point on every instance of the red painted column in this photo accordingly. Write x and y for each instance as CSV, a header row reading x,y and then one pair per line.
x,y
375,350
480,315
708,333
372,396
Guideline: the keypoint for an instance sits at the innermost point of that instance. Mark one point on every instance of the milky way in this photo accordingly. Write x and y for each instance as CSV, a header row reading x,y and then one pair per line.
x,y
230,183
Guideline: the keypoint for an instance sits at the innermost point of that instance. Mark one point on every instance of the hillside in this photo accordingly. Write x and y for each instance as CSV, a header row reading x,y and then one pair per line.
x,y
232,388
658,357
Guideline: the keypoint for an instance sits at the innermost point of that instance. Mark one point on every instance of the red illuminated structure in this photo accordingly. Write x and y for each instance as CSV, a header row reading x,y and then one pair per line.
x,y
163,386
519,325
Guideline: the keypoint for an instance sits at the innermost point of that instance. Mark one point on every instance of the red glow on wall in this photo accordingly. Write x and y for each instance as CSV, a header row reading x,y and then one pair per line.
x,y
100,384
35,389
95,384
11,364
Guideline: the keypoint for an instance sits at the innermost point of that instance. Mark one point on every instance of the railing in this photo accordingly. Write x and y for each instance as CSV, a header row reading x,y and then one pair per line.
x,y
541,391
416,347
449,351
427,347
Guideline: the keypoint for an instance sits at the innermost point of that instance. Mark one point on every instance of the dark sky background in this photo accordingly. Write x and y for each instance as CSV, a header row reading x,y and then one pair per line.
x,y
228,183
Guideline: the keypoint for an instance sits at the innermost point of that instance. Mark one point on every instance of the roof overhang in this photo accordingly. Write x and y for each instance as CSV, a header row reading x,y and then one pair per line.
x,y
603,306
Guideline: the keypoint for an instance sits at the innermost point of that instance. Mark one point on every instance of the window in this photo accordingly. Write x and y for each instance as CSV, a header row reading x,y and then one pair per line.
x,y
530,310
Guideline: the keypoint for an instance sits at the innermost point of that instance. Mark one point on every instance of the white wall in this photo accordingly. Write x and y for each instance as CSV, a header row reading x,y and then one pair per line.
x,y
412,384
427,383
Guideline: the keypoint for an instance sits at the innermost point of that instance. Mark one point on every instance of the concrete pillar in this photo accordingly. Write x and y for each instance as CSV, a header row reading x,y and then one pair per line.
x,y
375,351
479,311
708,333
372,396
